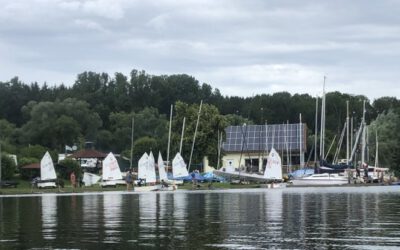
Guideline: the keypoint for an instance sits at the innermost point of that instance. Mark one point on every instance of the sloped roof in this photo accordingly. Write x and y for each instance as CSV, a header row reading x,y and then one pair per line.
x,y
88,153
32,166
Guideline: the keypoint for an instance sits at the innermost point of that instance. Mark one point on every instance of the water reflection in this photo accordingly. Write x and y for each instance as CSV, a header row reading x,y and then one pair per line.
x,y
49,216
298,218
112,205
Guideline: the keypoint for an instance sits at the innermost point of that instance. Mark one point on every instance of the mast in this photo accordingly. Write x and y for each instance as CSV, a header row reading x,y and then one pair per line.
x,y
183,132
376,149
169,134
363,136
347,135
287,148
322,139
316,130
0,162
195,133
219,147
301,144
130,163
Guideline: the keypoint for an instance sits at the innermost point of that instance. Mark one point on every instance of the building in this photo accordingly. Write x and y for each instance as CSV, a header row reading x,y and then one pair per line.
x,y
247,146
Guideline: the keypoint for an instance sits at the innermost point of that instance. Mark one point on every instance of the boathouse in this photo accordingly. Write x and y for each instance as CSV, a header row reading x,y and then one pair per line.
x,y
247,146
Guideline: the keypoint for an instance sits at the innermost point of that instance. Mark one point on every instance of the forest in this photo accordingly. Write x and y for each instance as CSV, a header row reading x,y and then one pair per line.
x,y
99,108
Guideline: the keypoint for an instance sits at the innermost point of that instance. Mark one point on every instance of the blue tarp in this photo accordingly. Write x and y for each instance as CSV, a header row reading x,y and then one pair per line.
x,y
210,176
197,176
301,173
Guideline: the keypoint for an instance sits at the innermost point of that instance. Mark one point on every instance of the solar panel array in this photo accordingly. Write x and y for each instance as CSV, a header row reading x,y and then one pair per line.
x,y
255,138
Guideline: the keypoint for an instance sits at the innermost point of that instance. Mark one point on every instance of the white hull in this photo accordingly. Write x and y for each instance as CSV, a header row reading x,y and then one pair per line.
x,y
244,176
112,183
50,184
320,180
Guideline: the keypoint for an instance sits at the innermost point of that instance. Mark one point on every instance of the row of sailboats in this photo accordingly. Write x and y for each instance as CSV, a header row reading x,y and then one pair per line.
x,y
326,177
339,173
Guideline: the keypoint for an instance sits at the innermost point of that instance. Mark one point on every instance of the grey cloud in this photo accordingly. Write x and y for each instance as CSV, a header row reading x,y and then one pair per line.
x,y
268,45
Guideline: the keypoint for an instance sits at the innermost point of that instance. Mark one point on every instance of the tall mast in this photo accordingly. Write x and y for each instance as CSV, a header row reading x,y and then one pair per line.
x,y
183,132
219,147
130,163
301,143
0,161
376,148
316,130
347,135
287,148
363,136
322,142
195,133
169,134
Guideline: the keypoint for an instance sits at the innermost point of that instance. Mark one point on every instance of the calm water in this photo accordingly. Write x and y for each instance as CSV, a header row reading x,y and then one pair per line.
x,y
293,218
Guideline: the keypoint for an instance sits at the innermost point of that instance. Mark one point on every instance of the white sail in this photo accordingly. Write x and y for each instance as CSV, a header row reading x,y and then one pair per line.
x,y
151,169
111,169
47,171
273,169
90,179
161,168
179,167
142,166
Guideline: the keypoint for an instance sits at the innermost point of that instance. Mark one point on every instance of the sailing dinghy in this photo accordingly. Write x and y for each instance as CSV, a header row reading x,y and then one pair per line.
x,y
111,172
48,175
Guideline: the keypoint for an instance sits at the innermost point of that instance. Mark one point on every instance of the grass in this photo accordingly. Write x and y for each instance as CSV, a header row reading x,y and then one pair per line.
x,y
24,187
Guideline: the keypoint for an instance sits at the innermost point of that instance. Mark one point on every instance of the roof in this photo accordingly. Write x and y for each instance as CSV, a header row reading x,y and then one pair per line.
x,y
32,166
88,153
255,138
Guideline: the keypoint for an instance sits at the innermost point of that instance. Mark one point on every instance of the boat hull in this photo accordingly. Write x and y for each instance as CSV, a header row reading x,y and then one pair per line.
x,y
320,180
50,184
244,176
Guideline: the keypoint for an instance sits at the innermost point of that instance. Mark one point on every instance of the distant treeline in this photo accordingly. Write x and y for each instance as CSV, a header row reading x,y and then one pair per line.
x,y
99,108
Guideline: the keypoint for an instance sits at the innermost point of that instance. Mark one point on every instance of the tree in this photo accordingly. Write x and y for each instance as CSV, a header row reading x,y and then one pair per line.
x,y
387,126
55,124
8,167
69,166
142,145
211,123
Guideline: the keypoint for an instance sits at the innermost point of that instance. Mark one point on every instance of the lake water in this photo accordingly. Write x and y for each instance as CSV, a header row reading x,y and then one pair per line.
x,y
292,218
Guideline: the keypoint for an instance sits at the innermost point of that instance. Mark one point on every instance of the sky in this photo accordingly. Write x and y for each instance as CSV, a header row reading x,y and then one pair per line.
x,y
243,48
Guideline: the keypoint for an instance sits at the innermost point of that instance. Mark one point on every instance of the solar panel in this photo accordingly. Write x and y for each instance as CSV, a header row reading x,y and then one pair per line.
x,y
255,138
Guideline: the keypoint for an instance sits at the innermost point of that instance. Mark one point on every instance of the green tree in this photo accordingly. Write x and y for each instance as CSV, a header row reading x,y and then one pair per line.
x,y
211,122
8,167
67,166
55,124
387,126
142,145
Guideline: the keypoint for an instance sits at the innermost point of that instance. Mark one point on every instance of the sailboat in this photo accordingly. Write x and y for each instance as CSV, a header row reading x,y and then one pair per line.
x,y
146,173
322,179
163,175
179,167
111,172
48,175
146,168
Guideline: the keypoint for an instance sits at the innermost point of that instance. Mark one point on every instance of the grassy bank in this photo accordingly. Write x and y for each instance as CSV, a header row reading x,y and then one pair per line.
x,y
24,187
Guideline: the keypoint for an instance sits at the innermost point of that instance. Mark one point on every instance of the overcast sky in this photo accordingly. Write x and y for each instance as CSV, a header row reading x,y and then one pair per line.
x,y
240,47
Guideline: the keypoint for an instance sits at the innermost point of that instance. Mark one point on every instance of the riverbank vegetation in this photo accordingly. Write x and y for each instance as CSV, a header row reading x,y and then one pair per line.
x,y
99,108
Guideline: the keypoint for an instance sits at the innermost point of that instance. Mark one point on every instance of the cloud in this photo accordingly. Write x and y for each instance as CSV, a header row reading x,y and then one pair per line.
x,y
241,47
